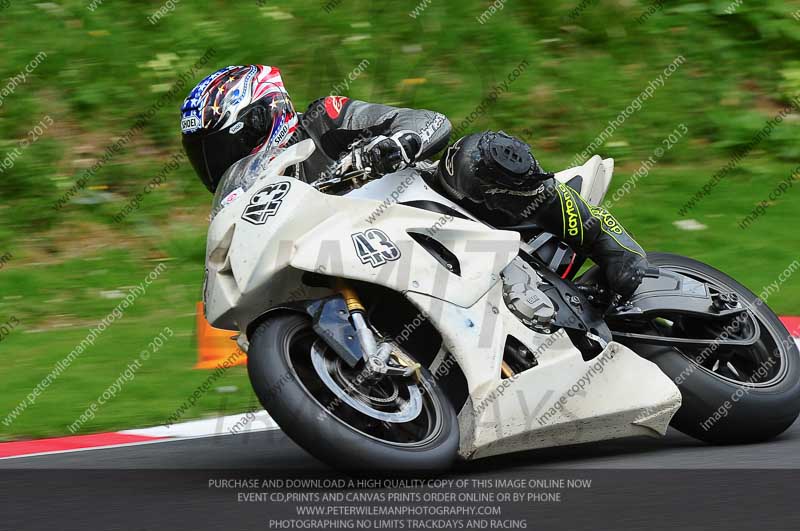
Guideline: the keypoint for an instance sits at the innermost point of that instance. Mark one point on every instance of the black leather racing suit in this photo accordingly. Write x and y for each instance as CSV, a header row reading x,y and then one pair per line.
x,y
491,174
335,122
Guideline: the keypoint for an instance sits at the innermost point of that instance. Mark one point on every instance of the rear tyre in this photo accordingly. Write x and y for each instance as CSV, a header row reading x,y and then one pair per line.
x,y
288,385
730,394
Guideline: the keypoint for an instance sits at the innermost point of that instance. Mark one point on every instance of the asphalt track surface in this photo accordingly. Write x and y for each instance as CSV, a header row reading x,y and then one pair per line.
x,y
639,483
272,450
673,483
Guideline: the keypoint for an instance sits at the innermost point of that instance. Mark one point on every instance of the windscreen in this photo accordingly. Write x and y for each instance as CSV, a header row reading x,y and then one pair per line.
x,y
240,177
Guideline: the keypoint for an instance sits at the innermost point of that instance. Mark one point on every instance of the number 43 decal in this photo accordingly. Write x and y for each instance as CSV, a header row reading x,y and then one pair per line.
x,y
374,247
266,203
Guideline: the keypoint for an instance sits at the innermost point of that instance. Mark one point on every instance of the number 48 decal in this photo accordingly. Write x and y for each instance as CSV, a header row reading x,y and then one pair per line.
x,y
374,247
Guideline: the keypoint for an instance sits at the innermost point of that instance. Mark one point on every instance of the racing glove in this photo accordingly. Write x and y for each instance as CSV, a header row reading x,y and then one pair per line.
x,y
382,155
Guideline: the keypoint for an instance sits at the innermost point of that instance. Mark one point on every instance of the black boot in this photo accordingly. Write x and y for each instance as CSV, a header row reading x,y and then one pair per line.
x,y
595,232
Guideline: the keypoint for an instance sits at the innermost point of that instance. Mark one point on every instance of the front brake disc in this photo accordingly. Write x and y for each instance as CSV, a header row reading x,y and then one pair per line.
x,y
407,411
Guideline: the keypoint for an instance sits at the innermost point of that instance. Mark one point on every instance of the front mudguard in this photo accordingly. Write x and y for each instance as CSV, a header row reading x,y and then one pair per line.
x,y
331,322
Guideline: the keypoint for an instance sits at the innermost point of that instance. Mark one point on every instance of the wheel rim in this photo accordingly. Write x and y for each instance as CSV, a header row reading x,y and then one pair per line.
x,y
407,433
759,365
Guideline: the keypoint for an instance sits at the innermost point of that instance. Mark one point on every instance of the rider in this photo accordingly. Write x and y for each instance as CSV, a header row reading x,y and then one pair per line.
x,y
241,110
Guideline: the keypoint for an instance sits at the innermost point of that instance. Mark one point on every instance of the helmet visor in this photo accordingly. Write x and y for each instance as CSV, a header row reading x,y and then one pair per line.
x,y
212,154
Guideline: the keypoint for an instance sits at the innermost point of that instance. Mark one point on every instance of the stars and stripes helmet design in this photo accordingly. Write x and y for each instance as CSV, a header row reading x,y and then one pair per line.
x,y
235,112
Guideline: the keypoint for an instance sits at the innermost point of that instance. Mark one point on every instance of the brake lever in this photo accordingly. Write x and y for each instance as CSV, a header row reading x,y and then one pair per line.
x,y
336,174
596,294
618,305
601,297
343,170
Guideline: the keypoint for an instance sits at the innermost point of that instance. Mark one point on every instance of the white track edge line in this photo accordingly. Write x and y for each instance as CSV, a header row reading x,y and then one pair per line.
x,y
137,443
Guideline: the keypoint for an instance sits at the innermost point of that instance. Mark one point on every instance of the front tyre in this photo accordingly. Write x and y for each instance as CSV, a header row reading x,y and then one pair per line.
x,y
730,394
341,418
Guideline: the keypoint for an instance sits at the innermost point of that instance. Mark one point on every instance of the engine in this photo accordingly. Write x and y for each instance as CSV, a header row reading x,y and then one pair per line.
x,y
524,299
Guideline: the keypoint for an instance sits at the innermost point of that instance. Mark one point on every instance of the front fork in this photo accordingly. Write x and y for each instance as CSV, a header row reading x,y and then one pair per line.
x,y
376,355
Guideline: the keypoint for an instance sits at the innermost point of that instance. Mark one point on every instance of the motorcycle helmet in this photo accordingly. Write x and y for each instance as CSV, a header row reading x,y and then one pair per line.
x,y
235,112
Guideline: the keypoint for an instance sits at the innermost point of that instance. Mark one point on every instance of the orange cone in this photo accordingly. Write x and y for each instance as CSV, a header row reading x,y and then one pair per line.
x,y
214,345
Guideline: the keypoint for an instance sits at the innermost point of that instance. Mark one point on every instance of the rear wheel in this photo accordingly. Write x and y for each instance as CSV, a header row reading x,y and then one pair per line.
x,y
339,414
731,394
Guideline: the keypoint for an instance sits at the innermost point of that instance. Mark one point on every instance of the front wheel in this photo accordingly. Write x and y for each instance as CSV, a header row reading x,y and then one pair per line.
x,y
343,418
731,394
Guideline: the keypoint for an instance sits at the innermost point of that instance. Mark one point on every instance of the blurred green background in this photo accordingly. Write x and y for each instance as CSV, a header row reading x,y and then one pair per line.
x,y
109,61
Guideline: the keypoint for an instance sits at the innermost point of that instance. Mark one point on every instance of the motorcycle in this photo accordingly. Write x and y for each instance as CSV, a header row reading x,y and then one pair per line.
x,y
390,330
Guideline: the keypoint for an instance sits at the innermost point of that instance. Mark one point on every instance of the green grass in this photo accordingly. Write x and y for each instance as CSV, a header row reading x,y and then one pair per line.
x,y
71,294
104,68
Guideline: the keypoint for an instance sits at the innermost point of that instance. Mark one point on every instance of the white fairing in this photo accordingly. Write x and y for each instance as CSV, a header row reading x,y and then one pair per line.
x,y
596,175
254,267
623,395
